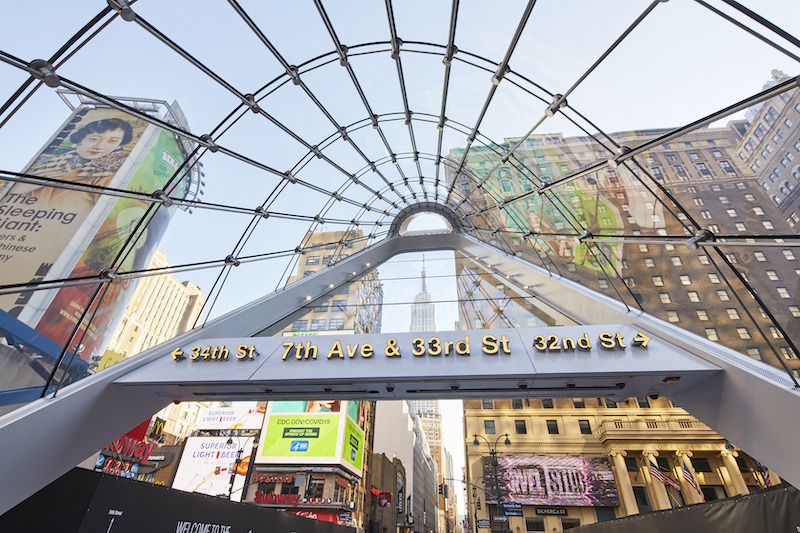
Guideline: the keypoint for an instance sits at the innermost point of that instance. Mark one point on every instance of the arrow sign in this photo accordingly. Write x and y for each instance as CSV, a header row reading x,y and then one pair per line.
x,y
177,354
641,340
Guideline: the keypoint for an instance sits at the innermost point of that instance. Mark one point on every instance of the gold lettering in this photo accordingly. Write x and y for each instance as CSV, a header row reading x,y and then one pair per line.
x,y
336,350
607,341
311,350
367,350
489,344
554,345
568,343
195,353
298,351
504,344
584,343
223,353
448,347
252,352
539,344
618,336
206,352
435,346
241,351
418,347
462,347
214,352
351,351
391,350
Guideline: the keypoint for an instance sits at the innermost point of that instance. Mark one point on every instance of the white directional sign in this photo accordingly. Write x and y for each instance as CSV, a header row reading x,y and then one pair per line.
x,y
615,361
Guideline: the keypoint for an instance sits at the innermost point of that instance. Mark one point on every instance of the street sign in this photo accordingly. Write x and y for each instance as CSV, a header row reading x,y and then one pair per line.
x,y
500,518
513,512
512,505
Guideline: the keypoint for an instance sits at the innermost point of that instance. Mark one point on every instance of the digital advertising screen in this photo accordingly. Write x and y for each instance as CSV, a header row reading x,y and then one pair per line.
x,y
540,480
313,432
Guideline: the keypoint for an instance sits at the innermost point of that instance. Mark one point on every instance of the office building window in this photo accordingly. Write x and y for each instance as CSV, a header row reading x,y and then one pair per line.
x,y
534,525
547,403
783,293
318,324
579,403
312,260
642,402
552,427
336,323
664,297
693,296
733,314
685,279
516,404
672,316
794,310
487,404
755,353
711,334
676,261
488,427
586,429
702,314
743,333
300,325
759,256
658,281
713,278
789,255
520,427
703,259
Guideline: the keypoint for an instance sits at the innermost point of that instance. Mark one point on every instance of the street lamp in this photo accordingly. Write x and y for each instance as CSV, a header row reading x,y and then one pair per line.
x,y
493,454
238,461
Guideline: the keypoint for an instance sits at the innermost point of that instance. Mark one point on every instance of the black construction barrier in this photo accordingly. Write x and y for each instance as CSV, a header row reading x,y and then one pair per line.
x,y
773,509
83,501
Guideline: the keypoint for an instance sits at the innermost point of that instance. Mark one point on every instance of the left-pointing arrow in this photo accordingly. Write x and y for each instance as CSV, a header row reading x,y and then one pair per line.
x,y
177,354
641,340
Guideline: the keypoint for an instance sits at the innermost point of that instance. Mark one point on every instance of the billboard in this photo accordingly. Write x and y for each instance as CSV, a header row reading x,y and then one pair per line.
x,y
51,232
540,480
230,418
315,432
207,463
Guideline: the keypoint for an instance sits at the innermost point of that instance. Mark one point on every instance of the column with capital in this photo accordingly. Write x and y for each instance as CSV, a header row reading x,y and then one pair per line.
x,y
658,492
627,498
690,494
732,475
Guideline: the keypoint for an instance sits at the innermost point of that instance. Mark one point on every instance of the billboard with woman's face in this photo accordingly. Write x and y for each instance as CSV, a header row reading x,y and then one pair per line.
x,y
66,233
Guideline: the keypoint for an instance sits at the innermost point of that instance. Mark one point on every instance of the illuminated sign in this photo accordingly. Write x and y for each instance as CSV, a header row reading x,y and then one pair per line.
x,y
208,462
313,432
539,480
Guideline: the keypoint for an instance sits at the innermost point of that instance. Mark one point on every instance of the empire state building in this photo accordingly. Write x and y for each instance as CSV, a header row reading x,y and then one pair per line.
x,y
423,310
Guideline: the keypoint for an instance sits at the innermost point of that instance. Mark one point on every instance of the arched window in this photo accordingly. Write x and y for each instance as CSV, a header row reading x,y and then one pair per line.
x,y
789,186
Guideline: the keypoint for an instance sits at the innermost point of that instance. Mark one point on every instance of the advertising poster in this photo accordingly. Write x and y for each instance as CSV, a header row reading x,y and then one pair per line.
x,y
569,481
313,432
230,418
69,303
207,463
37,223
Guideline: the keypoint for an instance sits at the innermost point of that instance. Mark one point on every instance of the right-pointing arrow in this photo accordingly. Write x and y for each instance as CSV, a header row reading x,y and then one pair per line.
x,y
641,340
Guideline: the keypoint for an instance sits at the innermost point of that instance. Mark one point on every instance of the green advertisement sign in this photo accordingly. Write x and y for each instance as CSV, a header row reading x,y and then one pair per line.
x,y
301,436
353,449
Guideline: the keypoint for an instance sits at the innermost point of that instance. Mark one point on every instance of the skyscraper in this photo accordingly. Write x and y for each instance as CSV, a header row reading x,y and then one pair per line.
x,y
423,311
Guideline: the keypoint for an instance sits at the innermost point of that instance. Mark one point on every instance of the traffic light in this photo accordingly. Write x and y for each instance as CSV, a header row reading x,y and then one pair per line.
x,y
478,504
440,489
444,486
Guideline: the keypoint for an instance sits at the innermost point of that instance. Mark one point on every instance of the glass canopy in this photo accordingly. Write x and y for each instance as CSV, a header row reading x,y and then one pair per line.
x,y
649,151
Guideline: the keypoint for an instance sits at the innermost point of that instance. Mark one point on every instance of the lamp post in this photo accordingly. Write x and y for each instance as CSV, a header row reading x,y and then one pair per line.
x,y
493,454
237,463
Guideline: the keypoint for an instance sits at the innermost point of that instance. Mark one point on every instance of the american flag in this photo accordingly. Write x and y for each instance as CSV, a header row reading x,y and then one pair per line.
x,y
689,478
764,473
659,475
